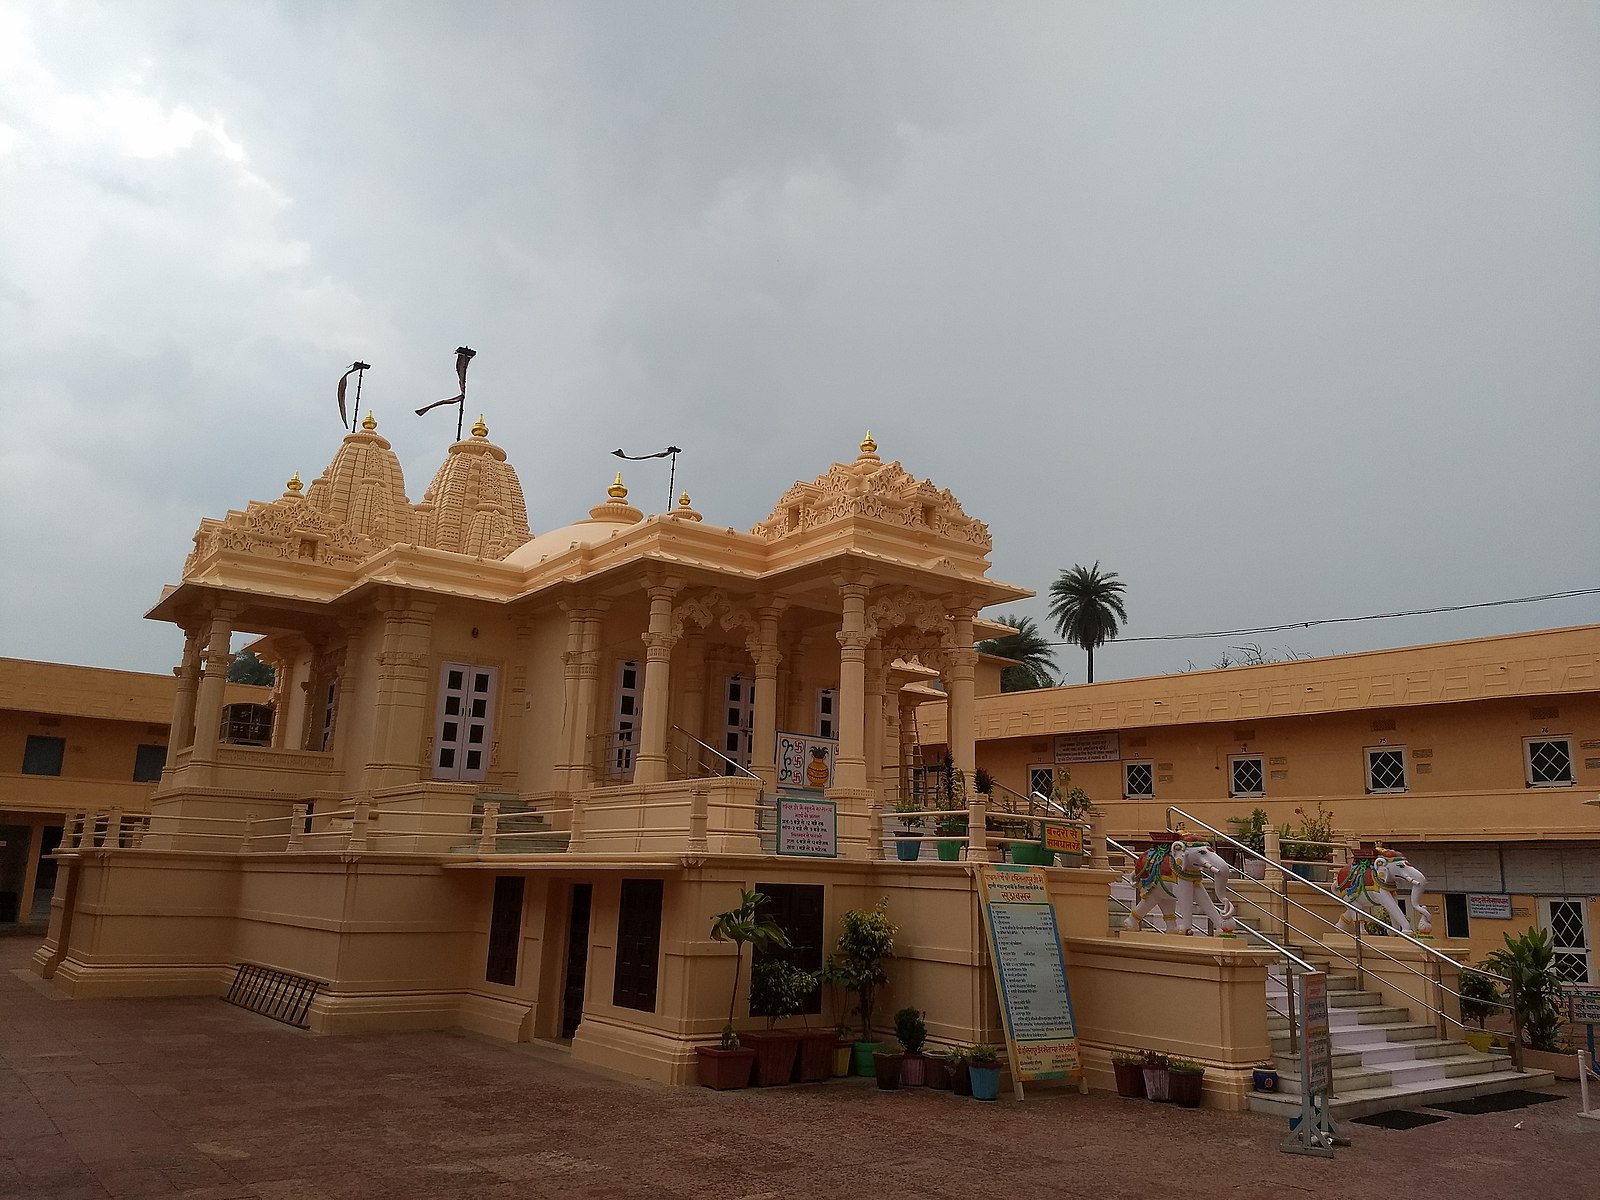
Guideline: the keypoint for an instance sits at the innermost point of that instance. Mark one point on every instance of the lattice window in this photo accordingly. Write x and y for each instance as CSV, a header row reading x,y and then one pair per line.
x,y
1568,936
1549,761
1041,780
1138,780
1246,777
1386,770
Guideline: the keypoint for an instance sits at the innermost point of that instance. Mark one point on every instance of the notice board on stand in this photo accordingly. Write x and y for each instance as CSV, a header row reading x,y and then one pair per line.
x,y
1030,974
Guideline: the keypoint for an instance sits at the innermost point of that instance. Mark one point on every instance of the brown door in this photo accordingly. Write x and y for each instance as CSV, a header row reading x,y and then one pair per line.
x,y
577,960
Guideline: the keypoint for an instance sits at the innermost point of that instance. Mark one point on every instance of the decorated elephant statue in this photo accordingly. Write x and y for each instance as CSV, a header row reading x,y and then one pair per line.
x,y
1371,880
1171,876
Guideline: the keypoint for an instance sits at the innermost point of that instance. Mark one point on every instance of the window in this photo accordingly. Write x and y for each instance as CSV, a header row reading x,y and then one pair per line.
x,y
247,724
43,755
739,694
827,712
1245,776
1386,769
505,930
1041,780
465,717
1138,780
638,944
623,734
148,762
330,702
1549,761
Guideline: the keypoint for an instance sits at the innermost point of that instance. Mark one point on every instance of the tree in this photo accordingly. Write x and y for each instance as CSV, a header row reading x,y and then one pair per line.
x,y
247,668
745,926
1087,607
1035,657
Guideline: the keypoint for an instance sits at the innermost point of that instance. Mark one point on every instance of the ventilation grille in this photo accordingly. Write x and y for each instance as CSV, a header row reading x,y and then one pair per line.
x,y
275,994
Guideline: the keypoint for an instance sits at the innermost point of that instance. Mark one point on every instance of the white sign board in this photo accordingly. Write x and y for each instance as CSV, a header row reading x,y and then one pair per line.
x,y
1491,905
1316,1063
1088,747
808,827
806,762
1025,945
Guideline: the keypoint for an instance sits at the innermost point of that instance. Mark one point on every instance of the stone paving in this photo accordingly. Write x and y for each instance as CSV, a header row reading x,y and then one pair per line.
x,y
195,1098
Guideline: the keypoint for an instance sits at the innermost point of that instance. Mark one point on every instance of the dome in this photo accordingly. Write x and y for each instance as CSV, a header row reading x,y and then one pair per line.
x,y
474,504
363,489
605,520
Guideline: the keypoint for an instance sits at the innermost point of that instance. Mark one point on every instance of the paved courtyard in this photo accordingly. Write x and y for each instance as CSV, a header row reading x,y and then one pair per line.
x,y
196,1098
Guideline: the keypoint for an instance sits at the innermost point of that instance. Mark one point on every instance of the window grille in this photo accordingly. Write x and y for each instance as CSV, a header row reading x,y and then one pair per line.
x,y
1549,761
1139,780
1386,770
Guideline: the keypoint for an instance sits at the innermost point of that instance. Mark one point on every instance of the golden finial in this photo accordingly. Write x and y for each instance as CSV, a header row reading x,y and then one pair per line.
x,y
479,429
294,484
369,424
868,446
616,491
683,501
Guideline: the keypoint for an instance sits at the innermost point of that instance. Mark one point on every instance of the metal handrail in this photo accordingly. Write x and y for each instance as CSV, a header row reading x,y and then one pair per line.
x,y
1362,916
738,767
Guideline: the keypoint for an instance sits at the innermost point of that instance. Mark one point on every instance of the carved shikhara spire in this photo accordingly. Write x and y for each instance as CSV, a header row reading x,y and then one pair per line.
x,y
474,504
871,490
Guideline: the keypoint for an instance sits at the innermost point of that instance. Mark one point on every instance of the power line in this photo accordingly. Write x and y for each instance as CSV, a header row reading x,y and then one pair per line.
x,y
1384,616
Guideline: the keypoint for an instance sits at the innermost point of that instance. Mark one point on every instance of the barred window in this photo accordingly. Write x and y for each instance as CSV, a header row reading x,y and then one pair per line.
x,y
1246,777
1386,769
1138,780
1549,761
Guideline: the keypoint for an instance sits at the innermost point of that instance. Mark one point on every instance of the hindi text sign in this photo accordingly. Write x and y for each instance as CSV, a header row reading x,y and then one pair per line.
x,y
808,827
1067,839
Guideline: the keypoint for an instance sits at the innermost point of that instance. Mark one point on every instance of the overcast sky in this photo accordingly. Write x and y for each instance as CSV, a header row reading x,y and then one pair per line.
x,y
1280,311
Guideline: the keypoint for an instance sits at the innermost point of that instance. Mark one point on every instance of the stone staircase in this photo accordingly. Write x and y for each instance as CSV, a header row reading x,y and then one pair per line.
x,y
1382,1059
521,829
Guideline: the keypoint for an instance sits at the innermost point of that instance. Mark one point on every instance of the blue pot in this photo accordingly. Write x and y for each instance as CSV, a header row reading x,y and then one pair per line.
x,y
1264,1079
907,851
985,1082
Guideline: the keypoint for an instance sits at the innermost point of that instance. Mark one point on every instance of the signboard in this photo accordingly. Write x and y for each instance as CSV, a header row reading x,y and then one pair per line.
x,y
1492,905
808,827
1583,1003
1068,839
806,762
1030,974
1317,1048
1088,747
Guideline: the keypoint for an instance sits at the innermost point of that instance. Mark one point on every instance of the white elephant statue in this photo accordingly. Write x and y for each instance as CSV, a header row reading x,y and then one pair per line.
x,y
1171,876
1371,880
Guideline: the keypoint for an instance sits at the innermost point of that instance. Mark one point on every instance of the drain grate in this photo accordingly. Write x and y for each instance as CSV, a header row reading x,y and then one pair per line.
x,y
276,994
1400,1118
1496,1102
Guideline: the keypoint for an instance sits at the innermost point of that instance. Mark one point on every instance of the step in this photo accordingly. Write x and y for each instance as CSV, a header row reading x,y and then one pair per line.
x,y
1349,1080
1346,1105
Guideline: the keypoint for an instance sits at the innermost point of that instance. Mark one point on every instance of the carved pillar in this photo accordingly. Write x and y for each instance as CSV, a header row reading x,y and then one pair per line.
x,y
850,769
213,685
764,718
518,721
572,751
874,713
651,764
962,711
694,685
581,777
188,673
400,719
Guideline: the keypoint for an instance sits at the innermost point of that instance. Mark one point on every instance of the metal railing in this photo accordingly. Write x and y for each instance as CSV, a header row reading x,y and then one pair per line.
x,y
1437,959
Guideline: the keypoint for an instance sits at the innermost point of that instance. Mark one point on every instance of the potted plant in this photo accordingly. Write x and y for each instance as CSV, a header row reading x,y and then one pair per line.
x,y
911,1031
1156,1077
905,848
938,1068
729,1064
982,782
1184,1082
953,801
1264,1076
1127,1066
1536,997
843,1049
858,964
960,1072
1480,1000
778,990
983,1065
1307,850
1251,831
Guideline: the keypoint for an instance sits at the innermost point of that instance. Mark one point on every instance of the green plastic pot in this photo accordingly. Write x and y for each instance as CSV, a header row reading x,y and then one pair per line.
x,y
864,1053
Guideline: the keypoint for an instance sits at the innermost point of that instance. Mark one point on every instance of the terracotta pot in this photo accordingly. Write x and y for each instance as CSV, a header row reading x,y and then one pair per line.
x,y
1184,1087
723,1069
938,1068
775,1055
887,1069
913,1071
961,1078
1130,1079
815,1062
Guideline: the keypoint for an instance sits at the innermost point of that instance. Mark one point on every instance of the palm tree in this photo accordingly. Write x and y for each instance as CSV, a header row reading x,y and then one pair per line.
x,y
1087,607
1035,657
